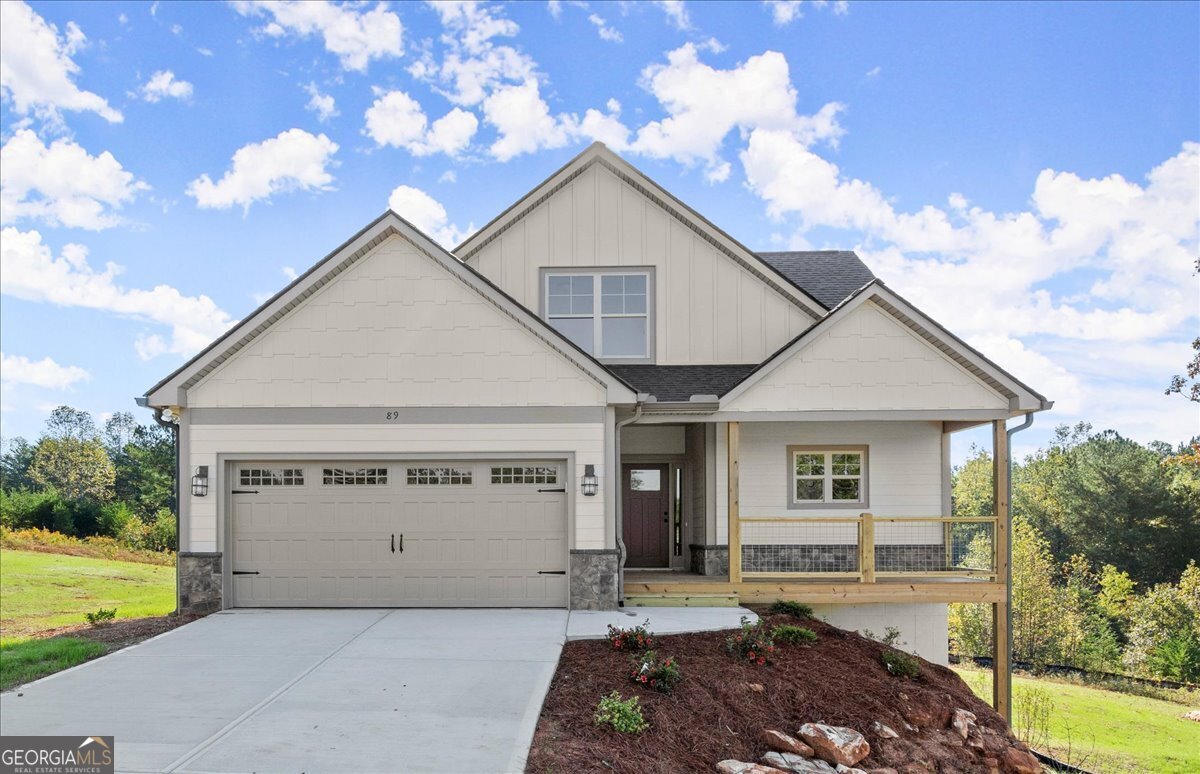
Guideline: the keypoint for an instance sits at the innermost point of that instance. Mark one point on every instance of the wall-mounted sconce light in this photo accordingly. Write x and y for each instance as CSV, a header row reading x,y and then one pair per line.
x,y
588,484
200,481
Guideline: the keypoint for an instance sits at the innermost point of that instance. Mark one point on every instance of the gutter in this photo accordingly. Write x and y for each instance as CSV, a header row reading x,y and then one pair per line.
x,y
618,516
1011,431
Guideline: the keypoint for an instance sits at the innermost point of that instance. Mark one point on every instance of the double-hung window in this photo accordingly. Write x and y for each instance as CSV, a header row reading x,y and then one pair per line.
x,y
827,476
607,313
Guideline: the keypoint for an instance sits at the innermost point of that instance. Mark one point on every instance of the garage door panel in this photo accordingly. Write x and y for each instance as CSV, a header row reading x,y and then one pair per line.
x,y
325,539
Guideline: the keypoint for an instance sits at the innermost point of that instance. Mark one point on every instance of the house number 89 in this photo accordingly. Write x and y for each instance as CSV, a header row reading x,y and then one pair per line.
x,y
392,416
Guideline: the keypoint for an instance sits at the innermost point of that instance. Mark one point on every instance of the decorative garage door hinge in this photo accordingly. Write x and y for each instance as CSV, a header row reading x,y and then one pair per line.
x,y
245,491
552,572
245,572
552,490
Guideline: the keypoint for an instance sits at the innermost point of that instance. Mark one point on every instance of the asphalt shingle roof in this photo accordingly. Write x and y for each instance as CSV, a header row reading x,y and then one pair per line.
x,y
670,383
827,275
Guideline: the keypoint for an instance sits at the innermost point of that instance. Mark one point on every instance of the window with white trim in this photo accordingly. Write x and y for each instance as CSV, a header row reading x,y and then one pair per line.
x,y
827,477
607,313
354,476
439,476
271,477
525,474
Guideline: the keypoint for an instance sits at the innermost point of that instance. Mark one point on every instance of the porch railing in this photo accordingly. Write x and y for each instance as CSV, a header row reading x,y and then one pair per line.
x,y
867,547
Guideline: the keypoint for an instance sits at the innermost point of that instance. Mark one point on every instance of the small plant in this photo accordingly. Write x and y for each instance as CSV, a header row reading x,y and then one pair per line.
x,y
794,609
632,639
891,636
101,616
793,635
752,642
900,664
625,715
658,674
1032,710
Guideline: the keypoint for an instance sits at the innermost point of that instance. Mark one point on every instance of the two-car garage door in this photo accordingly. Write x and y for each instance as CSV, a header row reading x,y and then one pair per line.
x,y
399,533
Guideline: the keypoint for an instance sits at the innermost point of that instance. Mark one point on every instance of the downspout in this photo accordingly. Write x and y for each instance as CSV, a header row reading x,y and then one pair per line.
x,y
174,428
618,516
1008,576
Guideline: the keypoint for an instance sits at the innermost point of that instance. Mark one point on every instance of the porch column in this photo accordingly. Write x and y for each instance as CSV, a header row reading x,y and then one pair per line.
x,y
735,524
1001,636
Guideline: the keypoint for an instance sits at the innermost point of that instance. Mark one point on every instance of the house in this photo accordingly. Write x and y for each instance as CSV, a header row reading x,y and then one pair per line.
x,y
600,397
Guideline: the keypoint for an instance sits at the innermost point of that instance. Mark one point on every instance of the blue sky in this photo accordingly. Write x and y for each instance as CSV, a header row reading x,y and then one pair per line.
x,y
1026,173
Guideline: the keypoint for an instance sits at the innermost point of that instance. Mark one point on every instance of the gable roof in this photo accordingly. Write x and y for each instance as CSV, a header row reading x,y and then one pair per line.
x,y
599,153
676,383
1021,397
172,389
830,276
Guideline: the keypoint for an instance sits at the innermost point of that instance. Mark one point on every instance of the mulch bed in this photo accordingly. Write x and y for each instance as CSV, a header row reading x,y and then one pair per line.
x,y
122,632
714,714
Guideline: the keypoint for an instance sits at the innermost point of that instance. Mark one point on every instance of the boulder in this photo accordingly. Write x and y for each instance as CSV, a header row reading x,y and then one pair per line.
x,y
798,763
847,770
836,744
918,716
777,740
1193,715
1021,761
741,767
883,731
963,722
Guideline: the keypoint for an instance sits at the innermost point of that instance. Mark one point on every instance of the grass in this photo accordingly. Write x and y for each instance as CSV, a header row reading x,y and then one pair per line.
x,y
41,591
1108,731
25,660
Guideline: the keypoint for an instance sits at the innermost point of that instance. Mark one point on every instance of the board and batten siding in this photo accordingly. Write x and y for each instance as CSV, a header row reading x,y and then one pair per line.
x,y
534,441
868,361
708,308
396,329
905,467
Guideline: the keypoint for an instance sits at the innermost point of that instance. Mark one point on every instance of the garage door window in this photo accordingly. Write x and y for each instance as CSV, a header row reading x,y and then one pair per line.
x,y
439,476
525,474
271,477
355,476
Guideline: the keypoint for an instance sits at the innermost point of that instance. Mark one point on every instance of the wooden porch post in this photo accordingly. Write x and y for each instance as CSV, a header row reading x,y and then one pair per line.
x,y
866,548
735,524
1001,637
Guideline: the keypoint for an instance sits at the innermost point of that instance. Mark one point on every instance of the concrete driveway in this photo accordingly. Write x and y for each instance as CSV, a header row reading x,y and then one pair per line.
x,y
319,690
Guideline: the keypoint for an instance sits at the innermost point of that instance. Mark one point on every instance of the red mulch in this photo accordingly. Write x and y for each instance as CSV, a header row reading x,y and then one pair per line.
x,y
714,715
122,632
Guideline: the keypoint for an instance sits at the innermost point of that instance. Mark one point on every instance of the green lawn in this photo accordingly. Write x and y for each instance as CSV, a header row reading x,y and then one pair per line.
x,y
1109,731
40,591
24,660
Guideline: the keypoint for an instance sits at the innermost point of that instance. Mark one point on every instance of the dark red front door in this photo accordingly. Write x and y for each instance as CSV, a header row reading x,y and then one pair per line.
x,y
646,503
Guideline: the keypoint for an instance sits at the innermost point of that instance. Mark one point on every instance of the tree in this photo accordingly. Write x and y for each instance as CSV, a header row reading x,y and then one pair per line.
x,y
66,422
971,486
78,469
14,465
144,459
1036,602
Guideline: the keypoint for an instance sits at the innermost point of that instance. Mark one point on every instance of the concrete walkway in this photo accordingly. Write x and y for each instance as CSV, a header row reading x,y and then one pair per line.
x,y
312,691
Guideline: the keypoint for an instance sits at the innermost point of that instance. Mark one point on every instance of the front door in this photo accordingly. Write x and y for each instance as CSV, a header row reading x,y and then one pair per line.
x,y
646,515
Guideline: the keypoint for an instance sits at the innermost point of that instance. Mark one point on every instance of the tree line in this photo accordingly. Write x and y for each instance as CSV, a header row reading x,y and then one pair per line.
x,y
1106,534
83,479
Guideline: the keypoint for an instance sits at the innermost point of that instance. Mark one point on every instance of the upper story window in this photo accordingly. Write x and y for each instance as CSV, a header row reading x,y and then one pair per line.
x,y
827,477
607,313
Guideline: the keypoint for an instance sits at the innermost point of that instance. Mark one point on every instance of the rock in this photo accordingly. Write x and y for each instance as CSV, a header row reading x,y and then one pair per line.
x,y
962,722
884,770
756,687
910,728
777,740
883,731
836,744
918,716
797,763
993,765
1193,715
741,767
847,770
1021,761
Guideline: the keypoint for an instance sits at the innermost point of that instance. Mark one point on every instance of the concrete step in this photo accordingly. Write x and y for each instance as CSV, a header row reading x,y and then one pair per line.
x,y
681,600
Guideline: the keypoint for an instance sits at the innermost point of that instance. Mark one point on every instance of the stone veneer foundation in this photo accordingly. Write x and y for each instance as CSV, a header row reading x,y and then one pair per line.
x,y
593,577
199,579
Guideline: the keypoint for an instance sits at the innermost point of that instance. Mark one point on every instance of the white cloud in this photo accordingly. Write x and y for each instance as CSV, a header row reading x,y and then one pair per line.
x,y
448,176
676,12
398,120
37,73
162,85
427,214
604,31
555,8
874,71
704,104
321,104
783,12
523,121
204,51
61,184
289,272
473,63
17,369
31,272
293,161
355,37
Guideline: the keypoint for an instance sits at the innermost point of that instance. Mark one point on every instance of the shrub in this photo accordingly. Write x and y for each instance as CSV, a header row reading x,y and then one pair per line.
x,y
623,715
100,547
163,535
900,664
752,642
101,616
632,639
794,635
1176,659
794,609
22,509
113,518
661,675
